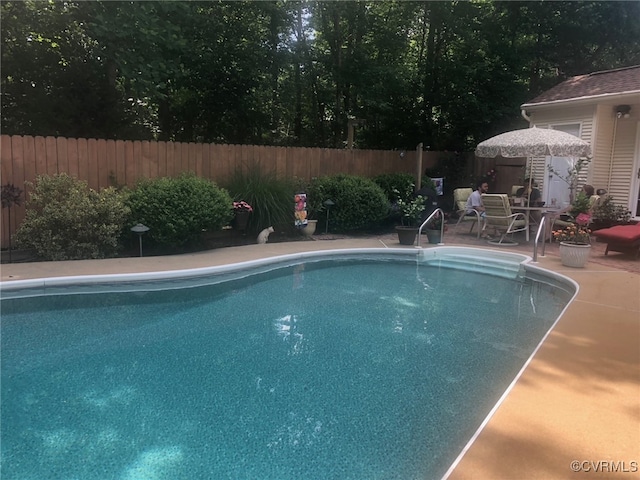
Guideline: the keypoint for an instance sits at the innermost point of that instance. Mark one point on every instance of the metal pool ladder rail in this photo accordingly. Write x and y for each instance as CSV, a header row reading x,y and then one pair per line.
x,y
542,228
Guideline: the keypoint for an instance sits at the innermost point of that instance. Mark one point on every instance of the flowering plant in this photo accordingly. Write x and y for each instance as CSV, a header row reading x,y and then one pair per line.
x,y
242,206
410,208
491,175
577,233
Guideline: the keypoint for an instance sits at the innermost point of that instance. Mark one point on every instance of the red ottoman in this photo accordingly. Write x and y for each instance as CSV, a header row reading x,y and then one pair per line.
x,y
621,238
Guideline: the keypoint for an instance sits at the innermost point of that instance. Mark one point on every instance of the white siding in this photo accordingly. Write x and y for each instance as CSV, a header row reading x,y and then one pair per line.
x,y
559,115
613,158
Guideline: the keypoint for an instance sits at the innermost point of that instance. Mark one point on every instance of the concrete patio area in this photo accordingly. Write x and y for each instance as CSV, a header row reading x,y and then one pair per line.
x,y
575,412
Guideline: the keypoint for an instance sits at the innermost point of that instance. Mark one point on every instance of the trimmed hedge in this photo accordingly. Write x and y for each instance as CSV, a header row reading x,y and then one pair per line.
x,y
359,202
178,210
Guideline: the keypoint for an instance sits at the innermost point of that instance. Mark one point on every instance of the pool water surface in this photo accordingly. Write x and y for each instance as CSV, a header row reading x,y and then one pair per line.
x,y
339,369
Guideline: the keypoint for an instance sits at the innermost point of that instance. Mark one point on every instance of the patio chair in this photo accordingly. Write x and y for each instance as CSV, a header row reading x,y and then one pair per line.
x,y
460,197
500,217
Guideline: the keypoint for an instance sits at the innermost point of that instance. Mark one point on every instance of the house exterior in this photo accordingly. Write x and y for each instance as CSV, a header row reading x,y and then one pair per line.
x,y
602,108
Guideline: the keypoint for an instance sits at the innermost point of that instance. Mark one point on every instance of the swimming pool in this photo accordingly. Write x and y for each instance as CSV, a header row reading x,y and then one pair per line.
x,y
373,364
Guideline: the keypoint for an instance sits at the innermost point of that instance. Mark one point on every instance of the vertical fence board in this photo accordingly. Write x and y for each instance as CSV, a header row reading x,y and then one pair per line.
x,y
137,159
17,153
41,156
162,159
235,159
112,163
101,163
6,159
62,154
92,163
177,159
29,148
197,157
121,172
193,165
218,161
184,157
73,168
51,147
129,164
144,159
206,162
170,159
152,152
83,159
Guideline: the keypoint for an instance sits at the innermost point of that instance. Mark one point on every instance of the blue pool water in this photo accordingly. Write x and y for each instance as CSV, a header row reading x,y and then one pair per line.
x,y
338,369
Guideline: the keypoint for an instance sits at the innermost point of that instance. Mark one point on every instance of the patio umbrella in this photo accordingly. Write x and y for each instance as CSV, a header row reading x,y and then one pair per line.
x,y
534,142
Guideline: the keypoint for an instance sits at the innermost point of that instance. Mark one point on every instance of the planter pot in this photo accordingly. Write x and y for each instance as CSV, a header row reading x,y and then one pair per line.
x,y
407,235
241,220
574,254
310,228
434,236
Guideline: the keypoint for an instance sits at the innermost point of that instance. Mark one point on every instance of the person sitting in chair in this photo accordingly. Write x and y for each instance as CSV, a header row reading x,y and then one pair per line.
x,y
474,202
529,192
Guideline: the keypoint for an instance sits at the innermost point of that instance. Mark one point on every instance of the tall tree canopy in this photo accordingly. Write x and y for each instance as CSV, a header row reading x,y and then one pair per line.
x,y
447,74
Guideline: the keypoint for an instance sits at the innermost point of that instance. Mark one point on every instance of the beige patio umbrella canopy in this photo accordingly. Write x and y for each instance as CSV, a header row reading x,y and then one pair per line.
x,y
533,142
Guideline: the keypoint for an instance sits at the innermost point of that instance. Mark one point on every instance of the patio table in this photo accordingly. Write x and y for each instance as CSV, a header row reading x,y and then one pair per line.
x,y
544,211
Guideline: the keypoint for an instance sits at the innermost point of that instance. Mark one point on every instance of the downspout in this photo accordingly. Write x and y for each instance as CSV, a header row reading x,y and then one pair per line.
x,y
613,151
523,112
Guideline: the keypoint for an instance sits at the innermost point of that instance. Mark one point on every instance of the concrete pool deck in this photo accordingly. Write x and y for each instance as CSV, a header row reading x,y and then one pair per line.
x,y
577,401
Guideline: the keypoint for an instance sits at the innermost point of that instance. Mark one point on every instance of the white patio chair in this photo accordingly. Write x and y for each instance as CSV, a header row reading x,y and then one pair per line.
x,y
500,217
460,197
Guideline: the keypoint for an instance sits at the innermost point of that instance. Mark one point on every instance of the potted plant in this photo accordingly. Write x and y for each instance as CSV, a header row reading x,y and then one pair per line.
x,y
241,211
575,242
410,208
435,227
607,214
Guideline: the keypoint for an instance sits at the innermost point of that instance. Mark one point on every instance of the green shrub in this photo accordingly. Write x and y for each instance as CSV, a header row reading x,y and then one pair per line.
x,y
178,210
270,196
394,181
66,220
359,202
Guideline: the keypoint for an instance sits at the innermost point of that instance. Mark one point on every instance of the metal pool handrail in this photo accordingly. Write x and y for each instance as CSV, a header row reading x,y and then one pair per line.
x,y
541,228
427,221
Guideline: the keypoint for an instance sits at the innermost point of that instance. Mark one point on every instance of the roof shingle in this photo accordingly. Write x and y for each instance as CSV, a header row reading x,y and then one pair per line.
x,y
597,83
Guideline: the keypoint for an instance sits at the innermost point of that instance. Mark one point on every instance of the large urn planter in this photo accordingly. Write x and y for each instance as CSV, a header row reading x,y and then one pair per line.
x,y
407,235
574,254
310,228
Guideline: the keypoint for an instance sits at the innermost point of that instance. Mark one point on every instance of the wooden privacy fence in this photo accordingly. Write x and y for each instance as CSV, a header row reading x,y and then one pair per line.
x,y
104,163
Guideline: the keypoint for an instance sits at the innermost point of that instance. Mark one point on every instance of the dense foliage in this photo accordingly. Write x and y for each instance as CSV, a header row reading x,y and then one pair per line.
x,y
178,210
392,183
446,73
270,196
66,220
359,202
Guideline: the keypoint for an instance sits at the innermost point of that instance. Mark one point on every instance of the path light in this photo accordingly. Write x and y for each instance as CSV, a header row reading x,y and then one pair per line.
x,y
140,229
328,204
